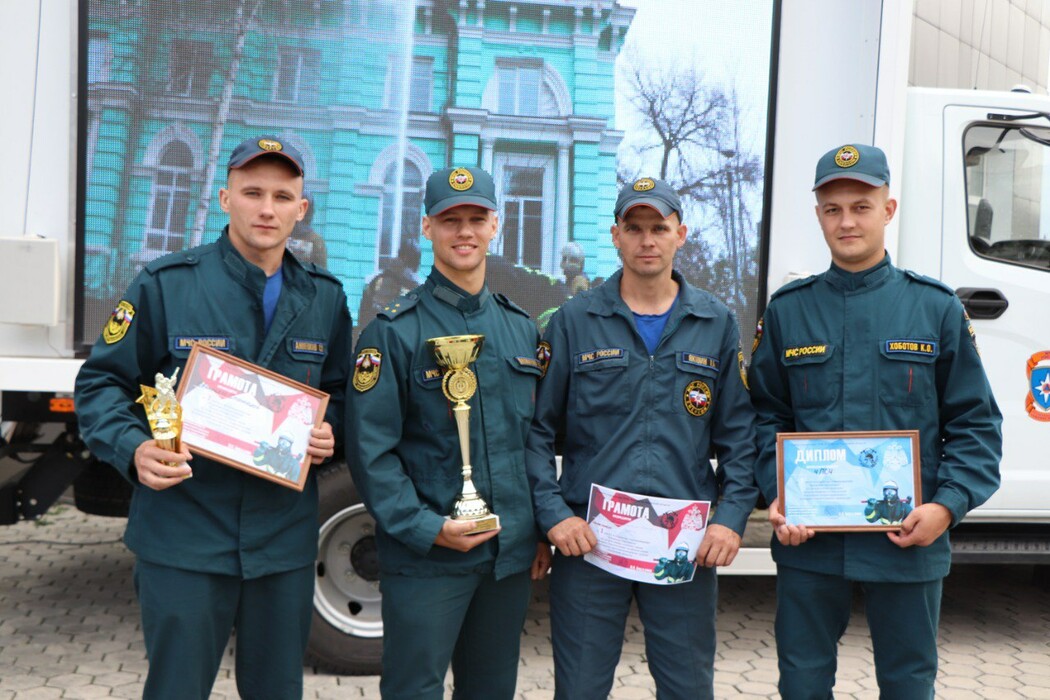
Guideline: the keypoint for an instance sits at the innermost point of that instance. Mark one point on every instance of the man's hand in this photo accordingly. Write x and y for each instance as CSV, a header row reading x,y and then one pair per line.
x,y
791,535
719,546
922,526
454,535
573,537
158,468
542,563
322,443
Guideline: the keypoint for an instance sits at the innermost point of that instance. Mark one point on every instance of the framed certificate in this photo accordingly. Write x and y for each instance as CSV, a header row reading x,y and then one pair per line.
x,y
248,417
848,480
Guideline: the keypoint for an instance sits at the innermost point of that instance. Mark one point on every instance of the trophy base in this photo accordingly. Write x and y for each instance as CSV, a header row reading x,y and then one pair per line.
x,y
482,524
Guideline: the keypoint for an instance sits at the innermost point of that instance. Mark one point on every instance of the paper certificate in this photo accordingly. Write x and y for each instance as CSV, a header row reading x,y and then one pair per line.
x,y
248,417
849,480
645,538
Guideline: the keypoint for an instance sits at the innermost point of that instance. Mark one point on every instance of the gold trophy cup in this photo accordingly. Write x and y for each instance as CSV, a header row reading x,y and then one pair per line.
x,y
454,353
163,411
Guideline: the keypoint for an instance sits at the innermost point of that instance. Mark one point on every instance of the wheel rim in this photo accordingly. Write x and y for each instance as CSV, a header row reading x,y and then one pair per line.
x,y
346,590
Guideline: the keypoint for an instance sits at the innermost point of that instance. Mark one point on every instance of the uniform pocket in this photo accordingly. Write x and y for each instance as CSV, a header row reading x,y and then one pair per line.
x,y
811,375
522,377
906,371
601,383
427,398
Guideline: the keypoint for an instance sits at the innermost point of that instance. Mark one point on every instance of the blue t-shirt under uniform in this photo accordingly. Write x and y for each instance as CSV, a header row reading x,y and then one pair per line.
x,y
271,293
651,326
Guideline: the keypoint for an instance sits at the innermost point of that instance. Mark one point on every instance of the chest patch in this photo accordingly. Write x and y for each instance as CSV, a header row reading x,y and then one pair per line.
x,y
927,348
215,342
309,347
700,360
805,351
697,398
586,358
366,369
431,374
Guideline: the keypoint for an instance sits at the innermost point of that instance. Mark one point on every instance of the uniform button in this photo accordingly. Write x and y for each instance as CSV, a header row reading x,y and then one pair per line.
x,y
191,258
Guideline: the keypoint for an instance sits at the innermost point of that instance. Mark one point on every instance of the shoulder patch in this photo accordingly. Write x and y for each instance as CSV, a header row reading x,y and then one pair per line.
x,y
183,257
119,322
543,356
399,306
793,285
503,299
366,369
929,281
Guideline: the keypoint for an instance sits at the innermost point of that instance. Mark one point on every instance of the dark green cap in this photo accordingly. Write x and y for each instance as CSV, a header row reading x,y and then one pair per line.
x,y
454,187
854,161
649,192
250,149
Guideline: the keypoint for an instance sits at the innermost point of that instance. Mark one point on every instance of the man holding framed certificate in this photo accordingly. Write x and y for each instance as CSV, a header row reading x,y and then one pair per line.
x,y
218,547
847,366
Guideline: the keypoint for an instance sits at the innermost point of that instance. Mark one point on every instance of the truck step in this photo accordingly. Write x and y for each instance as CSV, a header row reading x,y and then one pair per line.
x,y
974,548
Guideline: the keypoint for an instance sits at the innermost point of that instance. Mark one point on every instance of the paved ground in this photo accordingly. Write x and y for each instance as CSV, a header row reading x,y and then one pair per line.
x,y
69,629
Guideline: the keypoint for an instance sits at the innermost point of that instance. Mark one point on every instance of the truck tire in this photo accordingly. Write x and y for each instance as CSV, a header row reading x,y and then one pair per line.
x,y
100,490
347,632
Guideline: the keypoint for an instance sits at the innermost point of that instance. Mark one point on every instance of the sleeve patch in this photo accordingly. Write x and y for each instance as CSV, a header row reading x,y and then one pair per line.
x,y
119,322
366,369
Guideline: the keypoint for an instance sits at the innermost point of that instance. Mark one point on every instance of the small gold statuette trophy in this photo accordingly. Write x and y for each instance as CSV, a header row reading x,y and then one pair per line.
x,y
454,353
163,411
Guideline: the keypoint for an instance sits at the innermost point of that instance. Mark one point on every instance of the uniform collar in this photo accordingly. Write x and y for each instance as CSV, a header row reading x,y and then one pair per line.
x,y
853,281
252,276
444,290
606,299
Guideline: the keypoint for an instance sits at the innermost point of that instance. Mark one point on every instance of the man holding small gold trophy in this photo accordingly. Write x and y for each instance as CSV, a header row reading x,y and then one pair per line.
x,y
439,406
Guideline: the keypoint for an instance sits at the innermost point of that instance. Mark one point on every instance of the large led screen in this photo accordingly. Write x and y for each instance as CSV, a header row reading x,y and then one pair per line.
x,y
562,101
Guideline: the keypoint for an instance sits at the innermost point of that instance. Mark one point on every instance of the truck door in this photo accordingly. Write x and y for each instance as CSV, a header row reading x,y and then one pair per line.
x,y
996,255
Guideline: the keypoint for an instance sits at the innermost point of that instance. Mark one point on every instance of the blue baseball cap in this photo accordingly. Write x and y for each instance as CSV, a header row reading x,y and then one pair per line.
x,y
250,149
454,187
854,161
647,191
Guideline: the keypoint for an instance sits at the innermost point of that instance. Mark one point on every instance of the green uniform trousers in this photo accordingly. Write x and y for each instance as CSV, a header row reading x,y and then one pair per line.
x,y
589,609
813,610
471,619
187,617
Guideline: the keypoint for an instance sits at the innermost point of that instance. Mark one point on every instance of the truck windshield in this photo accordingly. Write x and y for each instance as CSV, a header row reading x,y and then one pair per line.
x,y
1008,193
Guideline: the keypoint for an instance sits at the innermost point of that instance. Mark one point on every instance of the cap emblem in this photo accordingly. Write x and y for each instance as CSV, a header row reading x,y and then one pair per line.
x,y
270,145
644,185
460,180
847,157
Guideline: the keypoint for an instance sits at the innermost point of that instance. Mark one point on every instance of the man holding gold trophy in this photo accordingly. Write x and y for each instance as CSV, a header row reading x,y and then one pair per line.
x,y
439,406
217,548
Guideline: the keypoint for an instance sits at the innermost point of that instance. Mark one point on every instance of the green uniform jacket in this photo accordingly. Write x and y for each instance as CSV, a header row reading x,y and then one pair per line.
x,y
625,413
222,520
407,465
828,358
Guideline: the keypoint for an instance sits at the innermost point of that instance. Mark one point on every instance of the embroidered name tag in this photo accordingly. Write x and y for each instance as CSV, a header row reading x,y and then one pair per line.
x,y
584,358
186,342
912,347
529,362
700,360
310,347
805,351
431,375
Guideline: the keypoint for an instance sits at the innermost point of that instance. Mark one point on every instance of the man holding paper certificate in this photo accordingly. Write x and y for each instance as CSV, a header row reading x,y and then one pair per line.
x,y
645,383
866,346
215,547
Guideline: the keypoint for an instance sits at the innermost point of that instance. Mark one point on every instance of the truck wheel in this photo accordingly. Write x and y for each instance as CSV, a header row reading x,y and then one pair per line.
x,y
347,632
100,490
